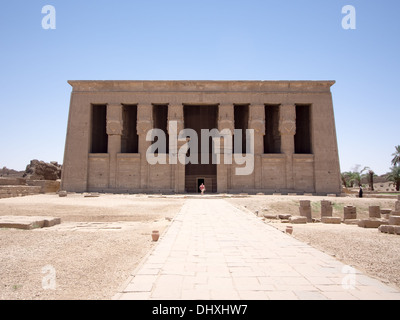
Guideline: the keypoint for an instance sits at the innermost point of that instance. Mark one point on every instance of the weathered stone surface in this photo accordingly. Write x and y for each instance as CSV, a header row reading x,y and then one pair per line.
x,y
305,203
12,181
351,221
374,211
28,223
46,186
326,208
297,220
390,229
18,191
394,220
270,216
372,223
62,194
89,167
350,212
284,216
331,220
386,211
305,209
40,170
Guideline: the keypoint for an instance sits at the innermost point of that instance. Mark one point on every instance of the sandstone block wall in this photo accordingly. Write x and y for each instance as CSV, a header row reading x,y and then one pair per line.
x,y
282,161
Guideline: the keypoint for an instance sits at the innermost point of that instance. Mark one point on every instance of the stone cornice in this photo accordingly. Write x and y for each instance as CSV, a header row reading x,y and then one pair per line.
x,y
201,86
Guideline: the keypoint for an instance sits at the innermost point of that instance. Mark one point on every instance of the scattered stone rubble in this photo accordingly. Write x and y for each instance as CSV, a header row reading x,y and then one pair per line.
x,y
393,225
39,177
375,220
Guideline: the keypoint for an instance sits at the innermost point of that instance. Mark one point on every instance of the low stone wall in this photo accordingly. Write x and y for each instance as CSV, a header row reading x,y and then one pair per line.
x,y
12,181
18,191
46,186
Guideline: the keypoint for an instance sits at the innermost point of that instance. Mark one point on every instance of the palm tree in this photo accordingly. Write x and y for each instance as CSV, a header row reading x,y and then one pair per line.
x,y
396,155
394,176
344,179
369,176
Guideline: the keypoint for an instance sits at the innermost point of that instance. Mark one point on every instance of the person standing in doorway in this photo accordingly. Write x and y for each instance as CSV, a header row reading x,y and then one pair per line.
x,y
202,188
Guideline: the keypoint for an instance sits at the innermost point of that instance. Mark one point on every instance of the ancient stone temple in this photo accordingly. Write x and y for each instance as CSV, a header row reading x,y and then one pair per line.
x,y
287,129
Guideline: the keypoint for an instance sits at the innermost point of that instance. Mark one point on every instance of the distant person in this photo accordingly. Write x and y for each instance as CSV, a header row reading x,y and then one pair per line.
x,y
360,193
202,188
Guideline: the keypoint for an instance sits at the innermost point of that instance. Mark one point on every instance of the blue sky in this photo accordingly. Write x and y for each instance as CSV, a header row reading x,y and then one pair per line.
x,y
199,40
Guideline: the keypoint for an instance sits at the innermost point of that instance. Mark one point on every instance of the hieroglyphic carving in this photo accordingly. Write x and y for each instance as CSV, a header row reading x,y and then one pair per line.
x,y
114,119
175,115
257,119
226,117
287,122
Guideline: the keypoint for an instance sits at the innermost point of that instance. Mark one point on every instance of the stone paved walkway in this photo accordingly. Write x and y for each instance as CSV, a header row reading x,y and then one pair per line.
x,y
213,250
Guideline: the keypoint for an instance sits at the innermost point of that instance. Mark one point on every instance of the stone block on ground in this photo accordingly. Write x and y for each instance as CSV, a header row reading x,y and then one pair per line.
x,y
305,209
374,211
386,211
297,220
62,194
372,223
350,212
284,216
331,220
326,208
351,221
28,223
92,195
394,220
270,216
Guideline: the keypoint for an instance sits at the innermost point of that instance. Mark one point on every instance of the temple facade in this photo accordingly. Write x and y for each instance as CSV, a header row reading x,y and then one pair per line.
x,y
291,139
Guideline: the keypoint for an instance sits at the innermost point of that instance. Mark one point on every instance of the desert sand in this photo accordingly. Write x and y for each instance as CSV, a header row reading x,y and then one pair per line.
x,y
102,240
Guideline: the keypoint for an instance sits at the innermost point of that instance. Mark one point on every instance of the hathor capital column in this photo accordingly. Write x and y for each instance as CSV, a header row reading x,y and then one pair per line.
x,y
257,123
144,124
114,132
175,126
287,129
226,126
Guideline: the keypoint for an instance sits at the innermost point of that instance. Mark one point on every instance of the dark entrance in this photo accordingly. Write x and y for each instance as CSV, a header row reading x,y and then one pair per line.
x,y
198,117
199,182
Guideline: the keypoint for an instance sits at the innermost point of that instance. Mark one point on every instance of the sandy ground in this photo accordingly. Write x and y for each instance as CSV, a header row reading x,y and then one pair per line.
x,y
92,252
102,240
368,250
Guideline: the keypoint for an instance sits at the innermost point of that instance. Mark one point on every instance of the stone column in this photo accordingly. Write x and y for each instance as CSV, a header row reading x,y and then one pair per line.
x,y
326,209
287,129
350,212
257,123
114,132
144,124
226,121
374,211
305,209
175,126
